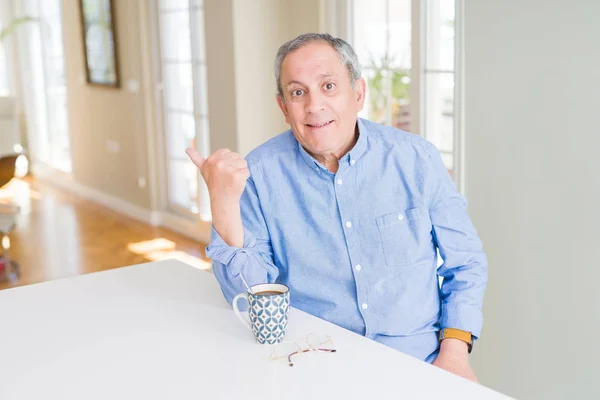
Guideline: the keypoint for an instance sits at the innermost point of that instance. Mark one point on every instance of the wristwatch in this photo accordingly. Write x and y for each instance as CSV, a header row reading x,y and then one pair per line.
x,y
451,333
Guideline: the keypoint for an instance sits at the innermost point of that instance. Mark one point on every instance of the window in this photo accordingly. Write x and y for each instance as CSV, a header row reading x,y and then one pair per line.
x,y
4,78
4,60
382,39
407,50
45,94
183,71
438,78
53,61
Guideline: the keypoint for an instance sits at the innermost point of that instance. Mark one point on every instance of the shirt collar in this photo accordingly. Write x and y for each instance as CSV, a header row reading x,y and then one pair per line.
x,y
359,149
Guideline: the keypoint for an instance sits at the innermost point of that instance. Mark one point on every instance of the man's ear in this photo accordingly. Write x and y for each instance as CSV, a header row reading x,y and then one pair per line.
x,y
282,107
361,91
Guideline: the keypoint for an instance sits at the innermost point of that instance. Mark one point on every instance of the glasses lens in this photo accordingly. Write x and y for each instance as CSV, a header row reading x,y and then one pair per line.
x,y
283,351
319,342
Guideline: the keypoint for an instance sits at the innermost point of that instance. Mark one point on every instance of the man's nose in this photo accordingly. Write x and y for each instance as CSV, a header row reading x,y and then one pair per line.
x,y
315,103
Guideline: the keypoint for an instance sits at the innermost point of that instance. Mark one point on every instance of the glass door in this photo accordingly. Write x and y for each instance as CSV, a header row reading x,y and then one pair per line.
x,y
184,103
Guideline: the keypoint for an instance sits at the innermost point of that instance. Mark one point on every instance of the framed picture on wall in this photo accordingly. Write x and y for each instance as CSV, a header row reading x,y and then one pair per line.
x,y
99,42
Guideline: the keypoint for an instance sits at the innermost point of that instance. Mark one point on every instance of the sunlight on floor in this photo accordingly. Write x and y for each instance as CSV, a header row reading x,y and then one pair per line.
x,y
149,246
19,192
164,249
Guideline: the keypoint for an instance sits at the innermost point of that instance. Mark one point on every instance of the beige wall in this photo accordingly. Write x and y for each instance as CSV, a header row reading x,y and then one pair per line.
x,y
304,16
98,115
260,27
220,70
532,180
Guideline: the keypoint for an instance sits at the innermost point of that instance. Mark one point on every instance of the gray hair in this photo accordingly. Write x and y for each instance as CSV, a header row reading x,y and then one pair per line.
x,y
345,51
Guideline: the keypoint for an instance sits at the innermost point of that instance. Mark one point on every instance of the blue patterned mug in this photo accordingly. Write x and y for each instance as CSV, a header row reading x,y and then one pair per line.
x,y
268,306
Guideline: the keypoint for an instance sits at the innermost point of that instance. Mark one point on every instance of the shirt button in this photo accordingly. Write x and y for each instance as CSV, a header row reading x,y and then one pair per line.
x,y
365,306
348,224
358,267
352,162
339,181
400,217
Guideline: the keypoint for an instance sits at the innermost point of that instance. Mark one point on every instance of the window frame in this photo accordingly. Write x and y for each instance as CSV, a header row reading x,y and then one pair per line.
x,y
199,112
50,95
6,16
32,85
338,20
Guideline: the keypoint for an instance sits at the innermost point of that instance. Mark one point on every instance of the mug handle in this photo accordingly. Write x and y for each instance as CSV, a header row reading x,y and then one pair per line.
x,y
244,320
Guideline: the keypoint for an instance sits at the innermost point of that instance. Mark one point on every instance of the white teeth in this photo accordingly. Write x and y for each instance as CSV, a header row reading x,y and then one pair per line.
x,y
319,126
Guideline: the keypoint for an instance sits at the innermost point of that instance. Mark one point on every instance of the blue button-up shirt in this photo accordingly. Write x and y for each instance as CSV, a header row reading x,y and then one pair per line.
x,y
359,248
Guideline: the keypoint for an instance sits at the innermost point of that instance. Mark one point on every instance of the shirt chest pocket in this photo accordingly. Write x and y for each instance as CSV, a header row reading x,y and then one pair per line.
x,y
402,233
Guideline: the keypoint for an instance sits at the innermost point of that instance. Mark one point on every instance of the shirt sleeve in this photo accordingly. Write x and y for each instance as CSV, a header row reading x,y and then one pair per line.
x,y
252,263
464,267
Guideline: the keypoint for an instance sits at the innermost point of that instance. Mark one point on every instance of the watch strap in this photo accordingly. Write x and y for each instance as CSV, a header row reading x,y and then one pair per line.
x,y
451,333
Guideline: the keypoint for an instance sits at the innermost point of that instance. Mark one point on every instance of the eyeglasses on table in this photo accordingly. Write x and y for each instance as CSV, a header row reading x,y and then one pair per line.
x,y
287,351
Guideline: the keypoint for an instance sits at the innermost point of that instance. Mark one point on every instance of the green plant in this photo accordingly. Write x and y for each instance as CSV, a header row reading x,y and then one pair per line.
x,y
13,26
399,87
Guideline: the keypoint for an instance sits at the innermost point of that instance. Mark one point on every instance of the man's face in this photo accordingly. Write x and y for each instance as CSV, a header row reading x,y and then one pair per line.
x,y
319,102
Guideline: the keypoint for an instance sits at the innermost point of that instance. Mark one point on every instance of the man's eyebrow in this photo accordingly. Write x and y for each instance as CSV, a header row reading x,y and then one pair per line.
x,y
294,82
300,83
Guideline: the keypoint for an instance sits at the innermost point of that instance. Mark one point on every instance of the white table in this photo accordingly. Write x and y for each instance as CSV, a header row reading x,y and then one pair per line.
x,y
163,331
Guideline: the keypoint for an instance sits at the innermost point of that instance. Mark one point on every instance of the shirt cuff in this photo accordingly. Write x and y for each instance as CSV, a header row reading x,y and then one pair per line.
x,y
233,257
462,316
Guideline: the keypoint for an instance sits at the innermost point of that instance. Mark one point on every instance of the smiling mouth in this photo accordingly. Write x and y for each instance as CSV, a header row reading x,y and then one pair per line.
x,y
322,125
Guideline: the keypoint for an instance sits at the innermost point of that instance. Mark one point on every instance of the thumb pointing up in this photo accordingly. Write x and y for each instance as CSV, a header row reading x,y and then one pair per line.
x,y
196,158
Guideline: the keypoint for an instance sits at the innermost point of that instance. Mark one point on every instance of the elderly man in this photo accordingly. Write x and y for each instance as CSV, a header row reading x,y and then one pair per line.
x,y
350,215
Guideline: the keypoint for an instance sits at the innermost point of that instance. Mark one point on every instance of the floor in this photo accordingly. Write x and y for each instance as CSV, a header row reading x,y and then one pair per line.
x,y
59,235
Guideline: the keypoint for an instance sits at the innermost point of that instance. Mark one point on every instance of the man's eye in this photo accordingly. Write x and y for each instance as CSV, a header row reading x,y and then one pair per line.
x,y
297,92
329,86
